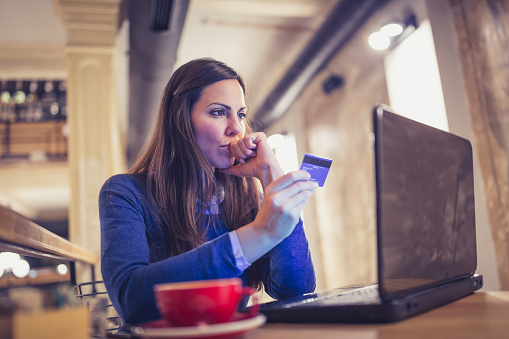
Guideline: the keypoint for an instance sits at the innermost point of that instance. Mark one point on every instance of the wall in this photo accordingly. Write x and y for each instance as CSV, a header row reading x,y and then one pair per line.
x,y
341,227
340,218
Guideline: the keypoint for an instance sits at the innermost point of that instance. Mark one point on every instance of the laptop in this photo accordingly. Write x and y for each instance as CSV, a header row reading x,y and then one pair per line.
x,y
426,241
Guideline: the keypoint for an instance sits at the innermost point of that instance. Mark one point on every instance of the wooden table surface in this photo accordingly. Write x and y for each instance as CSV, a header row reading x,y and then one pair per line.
x,y
19,234
483,315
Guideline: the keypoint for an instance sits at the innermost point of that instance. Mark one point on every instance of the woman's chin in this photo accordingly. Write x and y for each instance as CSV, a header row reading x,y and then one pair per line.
x,y
224,164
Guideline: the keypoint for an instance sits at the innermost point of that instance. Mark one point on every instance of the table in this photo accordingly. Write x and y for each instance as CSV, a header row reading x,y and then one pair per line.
x,y
483,315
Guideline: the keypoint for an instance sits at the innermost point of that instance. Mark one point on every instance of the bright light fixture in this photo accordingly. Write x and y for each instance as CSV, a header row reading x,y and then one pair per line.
x,y
54,108
379,41
19,97
5,97
21,268
392,33
392,29
8,259
62,269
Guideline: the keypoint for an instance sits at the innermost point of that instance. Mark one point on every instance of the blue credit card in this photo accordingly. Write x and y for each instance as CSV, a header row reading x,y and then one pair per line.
x,y
317,167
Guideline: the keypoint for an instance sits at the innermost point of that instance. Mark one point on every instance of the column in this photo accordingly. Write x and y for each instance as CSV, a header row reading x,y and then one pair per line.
x,y
96,149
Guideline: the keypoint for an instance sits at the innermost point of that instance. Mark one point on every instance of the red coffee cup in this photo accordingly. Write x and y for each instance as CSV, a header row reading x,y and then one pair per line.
x,y
201,302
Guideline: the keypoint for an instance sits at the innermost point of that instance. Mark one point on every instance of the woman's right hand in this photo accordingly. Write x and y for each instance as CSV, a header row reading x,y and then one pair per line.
x,y
282,205
283,202
256,159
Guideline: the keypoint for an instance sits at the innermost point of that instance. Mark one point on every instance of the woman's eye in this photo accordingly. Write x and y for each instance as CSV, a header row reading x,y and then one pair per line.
x,y
219,112
242,115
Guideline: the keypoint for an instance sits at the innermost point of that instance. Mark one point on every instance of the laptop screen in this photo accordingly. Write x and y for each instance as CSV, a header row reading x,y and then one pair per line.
x,y
425,205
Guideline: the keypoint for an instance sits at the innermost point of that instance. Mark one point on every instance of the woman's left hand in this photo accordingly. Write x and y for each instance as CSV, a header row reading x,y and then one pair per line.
x,y
255,157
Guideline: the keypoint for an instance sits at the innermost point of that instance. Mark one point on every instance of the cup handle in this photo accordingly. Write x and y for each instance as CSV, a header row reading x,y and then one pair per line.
x,y
251,292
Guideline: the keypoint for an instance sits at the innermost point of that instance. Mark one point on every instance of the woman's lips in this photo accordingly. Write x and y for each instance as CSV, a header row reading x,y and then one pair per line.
x,y
225,148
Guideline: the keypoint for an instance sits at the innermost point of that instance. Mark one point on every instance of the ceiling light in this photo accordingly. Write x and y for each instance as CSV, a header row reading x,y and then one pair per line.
x,y
392,33
379,41
392,29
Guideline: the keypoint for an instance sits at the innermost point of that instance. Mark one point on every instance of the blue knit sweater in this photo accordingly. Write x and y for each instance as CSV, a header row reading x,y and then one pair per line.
x,y
134,247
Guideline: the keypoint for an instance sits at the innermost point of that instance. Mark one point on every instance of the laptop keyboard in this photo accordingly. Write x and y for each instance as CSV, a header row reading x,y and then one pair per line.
x,y
360,296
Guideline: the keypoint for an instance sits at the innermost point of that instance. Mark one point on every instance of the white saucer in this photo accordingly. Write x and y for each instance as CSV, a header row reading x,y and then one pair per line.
x,y
160,329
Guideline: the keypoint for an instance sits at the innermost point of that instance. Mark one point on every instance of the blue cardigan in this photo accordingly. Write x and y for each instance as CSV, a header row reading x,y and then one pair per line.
x,y
134,246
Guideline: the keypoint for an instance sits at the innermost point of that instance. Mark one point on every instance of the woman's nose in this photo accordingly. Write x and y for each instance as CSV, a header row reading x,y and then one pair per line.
x,y
234,127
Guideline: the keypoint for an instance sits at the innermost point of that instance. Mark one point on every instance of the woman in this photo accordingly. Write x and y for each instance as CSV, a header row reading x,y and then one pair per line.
x,y
187,212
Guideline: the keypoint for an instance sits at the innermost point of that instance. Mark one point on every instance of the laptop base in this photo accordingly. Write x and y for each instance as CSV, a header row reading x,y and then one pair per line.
x,y
382,312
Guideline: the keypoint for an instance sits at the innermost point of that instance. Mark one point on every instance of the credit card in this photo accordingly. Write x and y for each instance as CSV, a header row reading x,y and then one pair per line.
x,y
317,167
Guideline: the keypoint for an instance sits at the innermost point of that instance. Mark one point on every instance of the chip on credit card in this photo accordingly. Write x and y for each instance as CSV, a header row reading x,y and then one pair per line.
x,y
317,167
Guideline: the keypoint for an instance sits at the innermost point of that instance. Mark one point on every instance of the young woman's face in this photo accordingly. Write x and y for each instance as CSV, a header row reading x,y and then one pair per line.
x,y
218,120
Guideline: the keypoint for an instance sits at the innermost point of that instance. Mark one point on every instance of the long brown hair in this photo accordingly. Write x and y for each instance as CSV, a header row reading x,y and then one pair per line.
x,y
176,173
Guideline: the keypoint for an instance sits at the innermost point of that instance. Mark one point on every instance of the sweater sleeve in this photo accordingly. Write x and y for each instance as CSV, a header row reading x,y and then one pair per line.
x,y
287,270
129,273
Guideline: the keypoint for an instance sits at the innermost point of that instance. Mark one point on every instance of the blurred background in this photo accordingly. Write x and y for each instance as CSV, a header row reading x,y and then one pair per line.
x,y
80,84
